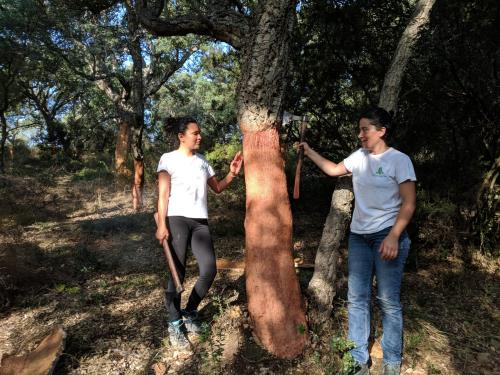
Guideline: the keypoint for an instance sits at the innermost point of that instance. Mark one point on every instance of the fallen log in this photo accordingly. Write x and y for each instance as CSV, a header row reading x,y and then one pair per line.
x,y
40,361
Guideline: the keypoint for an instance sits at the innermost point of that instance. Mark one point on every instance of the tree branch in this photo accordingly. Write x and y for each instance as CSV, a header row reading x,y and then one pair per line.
x,y
155,84
219,21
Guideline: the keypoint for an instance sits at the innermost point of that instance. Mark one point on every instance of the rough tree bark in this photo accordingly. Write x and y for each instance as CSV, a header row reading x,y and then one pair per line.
x,y
394,75
137,102
274,299
321,287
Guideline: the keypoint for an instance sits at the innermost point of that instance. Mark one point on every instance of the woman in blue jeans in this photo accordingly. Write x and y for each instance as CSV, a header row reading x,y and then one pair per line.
x,y
384,192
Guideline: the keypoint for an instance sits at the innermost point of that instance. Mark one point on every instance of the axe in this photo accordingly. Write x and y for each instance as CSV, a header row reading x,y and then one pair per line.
x,y
170,261
300,158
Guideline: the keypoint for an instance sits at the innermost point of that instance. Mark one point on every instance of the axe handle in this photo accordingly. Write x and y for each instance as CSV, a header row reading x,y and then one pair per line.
x,y
300,158
170,261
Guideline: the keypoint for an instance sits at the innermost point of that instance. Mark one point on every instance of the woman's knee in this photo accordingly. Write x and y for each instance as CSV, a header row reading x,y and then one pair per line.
x,y
208,271
390,304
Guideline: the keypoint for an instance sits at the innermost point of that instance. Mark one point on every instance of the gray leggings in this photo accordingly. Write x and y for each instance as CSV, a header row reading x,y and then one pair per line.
x,y
195,232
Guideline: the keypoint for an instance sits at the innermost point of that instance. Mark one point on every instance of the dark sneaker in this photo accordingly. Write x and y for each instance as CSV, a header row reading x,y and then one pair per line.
x,y
191,321
361,370
391,369
176,335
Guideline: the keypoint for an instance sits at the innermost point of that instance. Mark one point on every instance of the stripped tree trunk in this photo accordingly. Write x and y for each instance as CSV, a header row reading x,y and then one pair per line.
x,y
274,298
138,182
322,285
121,149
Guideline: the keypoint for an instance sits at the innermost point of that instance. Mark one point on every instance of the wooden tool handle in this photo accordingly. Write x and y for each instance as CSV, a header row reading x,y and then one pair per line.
x,y
300,157
170,262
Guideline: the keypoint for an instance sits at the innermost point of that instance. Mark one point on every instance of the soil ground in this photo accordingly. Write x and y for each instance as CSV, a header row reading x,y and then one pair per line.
x,y
72,253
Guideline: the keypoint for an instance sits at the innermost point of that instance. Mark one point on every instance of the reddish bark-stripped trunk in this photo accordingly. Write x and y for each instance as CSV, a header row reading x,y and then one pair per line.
x,y
138,184
121,149
274,298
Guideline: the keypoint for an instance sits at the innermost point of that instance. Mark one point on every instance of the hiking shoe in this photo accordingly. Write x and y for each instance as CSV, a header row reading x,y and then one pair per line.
x,y
191,321
176,335
361,370
391,369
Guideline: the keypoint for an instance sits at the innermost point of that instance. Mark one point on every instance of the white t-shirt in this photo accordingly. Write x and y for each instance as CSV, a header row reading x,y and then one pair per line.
x,y
376,180
188,184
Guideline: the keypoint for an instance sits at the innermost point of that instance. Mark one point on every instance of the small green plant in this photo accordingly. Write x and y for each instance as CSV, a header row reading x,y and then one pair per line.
x,y
432,370
301,328
412,342
213,337
137,281
341,347
95,299
214,343
101,170
205,332
65,289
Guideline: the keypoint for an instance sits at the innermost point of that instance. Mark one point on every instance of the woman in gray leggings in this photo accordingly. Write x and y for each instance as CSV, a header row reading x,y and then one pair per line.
x,y
183,177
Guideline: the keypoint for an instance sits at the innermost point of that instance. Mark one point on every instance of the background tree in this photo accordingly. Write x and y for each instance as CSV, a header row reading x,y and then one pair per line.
x,y
322,285
449,108
11,64
12,67
111,50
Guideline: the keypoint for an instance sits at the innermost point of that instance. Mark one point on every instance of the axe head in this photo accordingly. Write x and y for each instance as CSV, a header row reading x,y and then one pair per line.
x,y
289,117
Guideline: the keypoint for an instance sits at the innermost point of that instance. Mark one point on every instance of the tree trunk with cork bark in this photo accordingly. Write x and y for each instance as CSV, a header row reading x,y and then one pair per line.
x,y
263,36
321,288
274,298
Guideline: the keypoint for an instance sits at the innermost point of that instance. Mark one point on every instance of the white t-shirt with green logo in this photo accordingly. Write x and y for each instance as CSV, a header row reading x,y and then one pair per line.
x,y
188,184
376,180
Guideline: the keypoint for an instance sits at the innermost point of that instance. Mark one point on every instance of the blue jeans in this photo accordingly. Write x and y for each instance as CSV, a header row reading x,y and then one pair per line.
x,y
364,261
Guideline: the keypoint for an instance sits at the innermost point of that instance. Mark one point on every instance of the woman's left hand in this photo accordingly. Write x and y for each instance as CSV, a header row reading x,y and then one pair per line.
x,y
389,247
236,164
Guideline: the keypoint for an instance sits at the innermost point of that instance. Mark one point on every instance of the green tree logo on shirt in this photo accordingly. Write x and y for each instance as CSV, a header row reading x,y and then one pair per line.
x,y
379,172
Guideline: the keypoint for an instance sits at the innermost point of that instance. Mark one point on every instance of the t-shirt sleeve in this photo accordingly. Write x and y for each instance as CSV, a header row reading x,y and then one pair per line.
x,y
210,171
163,165
351,161
405,170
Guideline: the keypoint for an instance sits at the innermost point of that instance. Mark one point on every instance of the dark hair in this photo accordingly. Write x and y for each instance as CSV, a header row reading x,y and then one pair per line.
x,y
178,125
380,118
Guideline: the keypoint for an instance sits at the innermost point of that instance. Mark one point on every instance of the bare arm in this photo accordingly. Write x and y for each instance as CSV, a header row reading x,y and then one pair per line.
x,y
327,166
390,246
234,168
163,195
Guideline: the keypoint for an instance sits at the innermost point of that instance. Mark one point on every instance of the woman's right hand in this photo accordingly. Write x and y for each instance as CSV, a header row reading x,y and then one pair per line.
x,y
162,234
304,146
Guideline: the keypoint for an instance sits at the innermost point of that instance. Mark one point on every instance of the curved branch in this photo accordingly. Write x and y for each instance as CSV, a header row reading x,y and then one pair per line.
x,y
221,22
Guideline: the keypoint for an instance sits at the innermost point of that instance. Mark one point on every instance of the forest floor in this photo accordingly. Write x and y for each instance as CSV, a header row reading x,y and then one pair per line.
x,y
72,253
